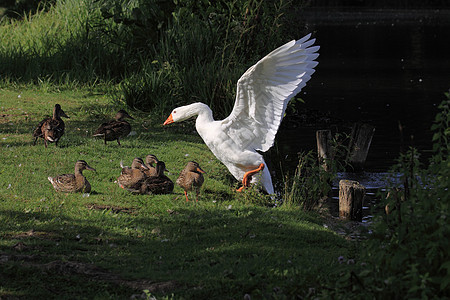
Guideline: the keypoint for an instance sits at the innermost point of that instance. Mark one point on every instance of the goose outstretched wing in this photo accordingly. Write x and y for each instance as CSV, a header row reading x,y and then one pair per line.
x,y
264,91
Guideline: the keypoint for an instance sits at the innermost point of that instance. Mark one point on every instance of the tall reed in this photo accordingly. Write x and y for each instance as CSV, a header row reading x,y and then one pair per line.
x,y
160,53
59,44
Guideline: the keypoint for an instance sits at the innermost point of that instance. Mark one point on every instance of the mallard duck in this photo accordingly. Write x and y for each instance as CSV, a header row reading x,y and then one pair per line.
x,y
51,129
150,162
159,184
191,178
262,95
72,183
132,178
116,128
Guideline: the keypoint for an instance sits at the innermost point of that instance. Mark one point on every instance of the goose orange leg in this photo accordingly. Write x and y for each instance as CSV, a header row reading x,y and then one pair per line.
x,y
248,177
185,193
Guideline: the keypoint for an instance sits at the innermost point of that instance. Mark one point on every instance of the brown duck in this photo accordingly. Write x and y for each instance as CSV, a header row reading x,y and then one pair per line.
x,y
51,129
159,184
191,178
131,178
72,183
150,161
115,129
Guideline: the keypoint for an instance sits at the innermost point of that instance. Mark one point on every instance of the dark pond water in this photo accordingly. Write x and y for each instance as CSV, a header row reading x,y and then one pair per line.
x,y
377,67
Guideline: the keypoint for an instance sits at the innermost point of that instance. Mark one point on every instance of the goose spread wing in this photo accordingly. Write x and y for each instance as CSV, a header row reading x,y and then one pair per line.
x,y
264,91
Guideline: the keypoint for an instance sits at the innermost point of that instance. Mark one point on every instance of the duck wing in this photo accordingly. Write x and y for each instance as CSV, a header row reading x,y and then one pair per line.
x,y
264,91
64,182
58,127
119,127
104,127
38,130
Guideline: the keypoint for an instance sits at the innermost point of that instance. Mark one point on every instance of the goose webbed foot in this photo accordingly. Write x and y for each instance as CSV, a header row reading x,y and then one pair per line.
x,y
248,177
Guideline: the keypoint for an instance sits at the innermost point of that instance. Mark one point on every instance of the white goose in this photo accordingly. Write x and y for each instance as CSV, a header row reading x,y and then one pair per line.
x,y
262,95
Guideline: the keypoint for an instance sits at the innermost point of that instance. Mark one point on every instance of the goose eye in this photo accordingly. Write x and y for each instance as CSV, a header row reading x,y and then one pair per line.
x,y
174,112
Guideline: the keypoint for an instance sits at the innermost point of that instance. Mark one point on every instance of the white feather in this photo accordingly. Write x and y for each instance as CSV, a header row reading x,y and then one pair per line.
x,y
262,95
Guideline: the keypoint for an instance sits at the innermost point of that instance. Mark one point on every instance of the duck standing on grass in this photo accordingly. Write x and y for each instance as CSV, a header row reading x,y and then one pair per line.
x,y
262,95
191,178
158,184
51,129
131,178
115,129
72,183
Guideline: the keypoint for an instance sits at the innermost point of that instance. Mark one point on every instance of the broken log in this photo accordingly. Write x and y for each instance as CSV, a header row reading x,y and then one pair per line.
x,y
360,140
351,194
324,151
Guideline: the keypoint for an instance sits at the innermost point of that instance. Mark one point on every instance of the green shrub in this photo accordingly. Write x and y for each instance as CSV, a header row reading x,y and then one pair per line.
x,y
312,179
406,256
206,44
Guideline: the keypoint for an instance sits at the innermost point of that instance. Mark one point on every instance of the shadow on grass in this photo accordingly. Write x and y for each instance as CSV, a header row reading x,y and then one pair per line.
x,y
212,252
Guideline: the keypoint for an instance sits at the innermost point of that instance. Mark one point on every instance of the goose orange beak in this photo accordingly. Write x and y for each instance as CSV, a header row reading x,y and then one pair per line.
x,y
169,120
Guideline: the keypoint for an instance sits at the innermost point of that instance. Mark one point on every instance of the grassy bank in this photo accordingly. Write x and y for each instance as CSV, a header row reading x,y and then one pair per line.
x,y
112,244
153,54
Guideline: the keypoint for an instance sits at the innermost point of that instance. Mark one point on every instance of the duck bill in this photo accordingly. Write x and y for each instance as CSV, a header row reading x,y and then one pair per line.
x,y
63,114
169,120
90,169
144,167
201,171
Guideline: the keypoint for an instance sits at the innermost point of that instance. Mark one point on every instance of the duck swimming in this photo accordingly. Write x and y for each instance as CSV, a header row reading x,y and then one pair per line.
x,y
191,178
262,95
115,129
51,129
72,183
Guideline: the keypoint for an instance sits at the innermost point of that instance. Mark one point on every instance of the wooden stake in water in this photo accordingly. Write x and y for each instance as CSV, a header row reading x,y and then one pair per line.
x,y
323,138
351,194
360,140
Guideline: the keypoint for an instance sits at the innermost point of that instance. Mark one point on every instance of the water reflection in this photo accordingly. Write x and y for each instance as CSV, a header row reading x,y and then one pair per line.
x,y
381,74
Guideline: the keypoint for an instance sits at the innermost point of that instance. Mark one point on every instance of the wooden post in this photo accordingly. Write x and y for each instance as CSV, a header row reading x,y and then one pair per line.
x,y
351,194
323,138
360,140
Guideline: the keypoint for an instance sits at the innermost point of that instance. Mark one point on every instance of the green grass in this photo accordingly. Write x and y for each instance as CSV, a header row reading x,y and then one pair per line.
x,y
112,244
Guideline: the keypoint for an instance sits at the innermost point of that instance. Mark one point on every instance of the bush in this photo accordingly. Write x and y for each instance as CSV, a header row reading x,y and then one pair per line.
x,y
311,181
406,256
160,52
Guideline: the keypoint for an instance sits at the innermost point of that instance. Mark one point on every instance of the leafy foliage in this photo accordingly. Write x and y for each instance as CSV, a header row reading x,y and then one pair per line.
x,y
406,256
312,178
158,53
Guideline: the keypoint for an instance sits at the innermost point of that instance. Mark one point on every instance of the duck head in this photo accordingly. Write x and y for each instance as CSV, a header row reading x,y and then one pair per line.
x,y
193,166
161,168
122,114
151,159
58,112
138,163
81,165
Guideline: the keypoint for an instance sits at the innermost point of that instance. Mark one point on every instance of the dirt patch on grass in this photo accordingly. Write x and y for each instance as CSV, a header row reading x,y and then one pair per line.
x,y
91,271
114,209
